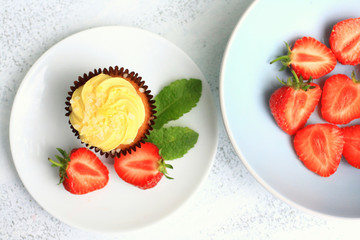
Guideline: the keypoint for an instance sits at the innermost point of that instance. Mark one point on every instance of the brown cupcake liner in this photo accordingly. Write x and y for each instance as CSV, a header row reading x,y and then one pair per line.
x,y
130,76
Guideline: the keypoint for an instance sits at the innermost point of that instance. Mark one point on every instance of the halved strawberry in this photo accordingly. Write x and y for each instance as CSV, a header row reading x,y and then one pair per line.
x,y
143,168
351,151
319,147
292,104
341,99
345,41
82,171
309,58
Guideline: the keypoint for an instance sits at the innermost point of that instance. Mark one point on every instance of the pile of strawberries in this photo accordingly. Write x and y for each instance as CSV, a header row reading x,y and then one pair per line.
x,y
320,146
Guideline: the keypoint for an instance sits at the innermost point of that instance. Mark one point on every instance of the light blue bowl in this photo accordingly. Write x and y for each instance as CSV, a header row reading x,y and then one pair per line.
x,y
247,81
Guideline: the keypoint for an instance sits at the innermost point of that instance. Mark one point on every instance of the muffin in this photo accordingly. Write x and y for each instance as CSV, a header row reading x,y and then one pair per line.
x,y
110,110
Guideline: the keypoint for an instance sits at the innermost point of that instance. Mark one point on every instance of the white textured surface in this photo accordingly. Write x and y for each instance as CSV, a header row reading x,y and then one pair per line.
x,y
230,204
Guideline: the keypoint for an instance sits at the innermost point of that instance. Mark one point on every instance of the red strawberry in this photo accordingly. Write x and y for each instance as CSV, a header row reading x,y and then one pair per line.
x,y
82,171
142,168
345,41
341,99
309,58
292,104
319,147
351,151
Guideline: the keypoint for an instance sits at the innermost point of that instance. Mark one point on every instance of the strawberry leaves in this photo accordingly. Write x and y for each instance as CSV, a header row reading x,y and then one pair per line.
x,y
297,82
163,168
285,60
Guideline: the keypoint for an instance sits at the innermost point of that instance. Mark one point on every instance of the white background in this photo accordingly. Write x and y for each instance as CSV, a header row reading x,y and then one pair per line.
x,y
229,205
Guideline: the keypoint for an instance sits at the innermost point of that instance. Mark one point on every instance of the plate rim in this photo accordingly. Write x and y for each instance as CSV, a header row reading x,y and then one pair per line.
x,y
198,185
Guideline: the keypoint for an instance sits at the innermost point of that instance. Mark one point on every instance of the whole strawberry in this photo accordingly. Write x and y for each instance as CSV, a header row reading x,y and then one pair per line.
x,y
309,58
292,104
142,168
81,172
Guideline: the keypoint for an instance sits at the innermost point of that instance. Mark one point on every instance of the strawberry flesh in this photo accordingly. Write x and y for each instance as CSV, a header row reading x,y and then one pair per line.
x,y
311,58
141,167
319,147
341,99
86,173
292,108
351,151
81,172
345,41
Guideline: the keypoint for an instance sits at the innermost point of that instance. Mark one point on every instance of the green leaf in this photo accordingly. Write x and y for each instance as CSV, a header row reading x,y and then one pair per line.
x,y
176,99
173,142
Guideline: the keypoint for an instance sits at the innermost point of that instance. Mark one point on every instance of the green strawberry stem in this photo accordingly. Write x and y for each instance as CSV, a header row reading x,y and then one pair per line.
x,y
297,83
295,77
285,60
55,164
61,164
163,166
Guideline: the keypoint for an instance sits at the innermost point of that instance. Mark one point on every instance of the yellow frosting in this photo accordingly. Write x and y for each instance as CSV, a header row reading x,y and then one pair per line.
x,y
107,112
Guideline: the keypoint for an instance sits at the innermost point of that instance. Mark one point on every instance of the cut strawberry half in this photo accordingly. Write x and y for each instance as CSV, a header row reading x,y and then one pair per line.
x,y
309,58
81,172
345,41
292,104
142,168
351,150
341,99
319,147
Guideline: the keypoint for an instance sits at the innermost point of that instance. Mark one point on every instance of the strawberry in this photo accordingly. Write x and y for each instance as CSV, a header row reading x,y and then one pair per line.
x,y
345,41
81,172
319,147
143,168
351,151
292,104
341,99
309,58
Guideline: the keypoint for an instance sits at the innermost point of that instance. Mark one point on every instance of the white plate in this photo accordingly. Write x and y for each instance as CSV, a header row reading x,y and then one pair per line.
x,y
38,125
247,81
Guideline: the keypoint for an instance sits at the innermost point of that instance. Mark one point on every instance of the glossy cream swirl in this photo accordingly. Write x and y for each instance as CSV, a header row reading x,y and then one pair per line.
x,y
107,112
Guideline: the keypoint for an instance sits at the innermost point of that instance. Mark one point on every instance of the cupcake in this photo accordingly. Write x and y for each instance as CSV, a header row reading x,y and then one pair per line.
x,y
110,110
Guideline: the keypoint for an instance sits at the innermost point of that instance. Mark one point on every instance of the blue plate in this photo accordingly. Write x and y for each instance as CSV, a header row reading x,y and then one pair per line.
x,y
248,80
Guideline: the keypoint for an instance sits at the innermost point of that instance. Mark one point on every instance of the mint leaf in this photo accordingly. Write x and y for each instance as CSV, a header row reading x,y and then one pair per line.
x,y
173,142
176,99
